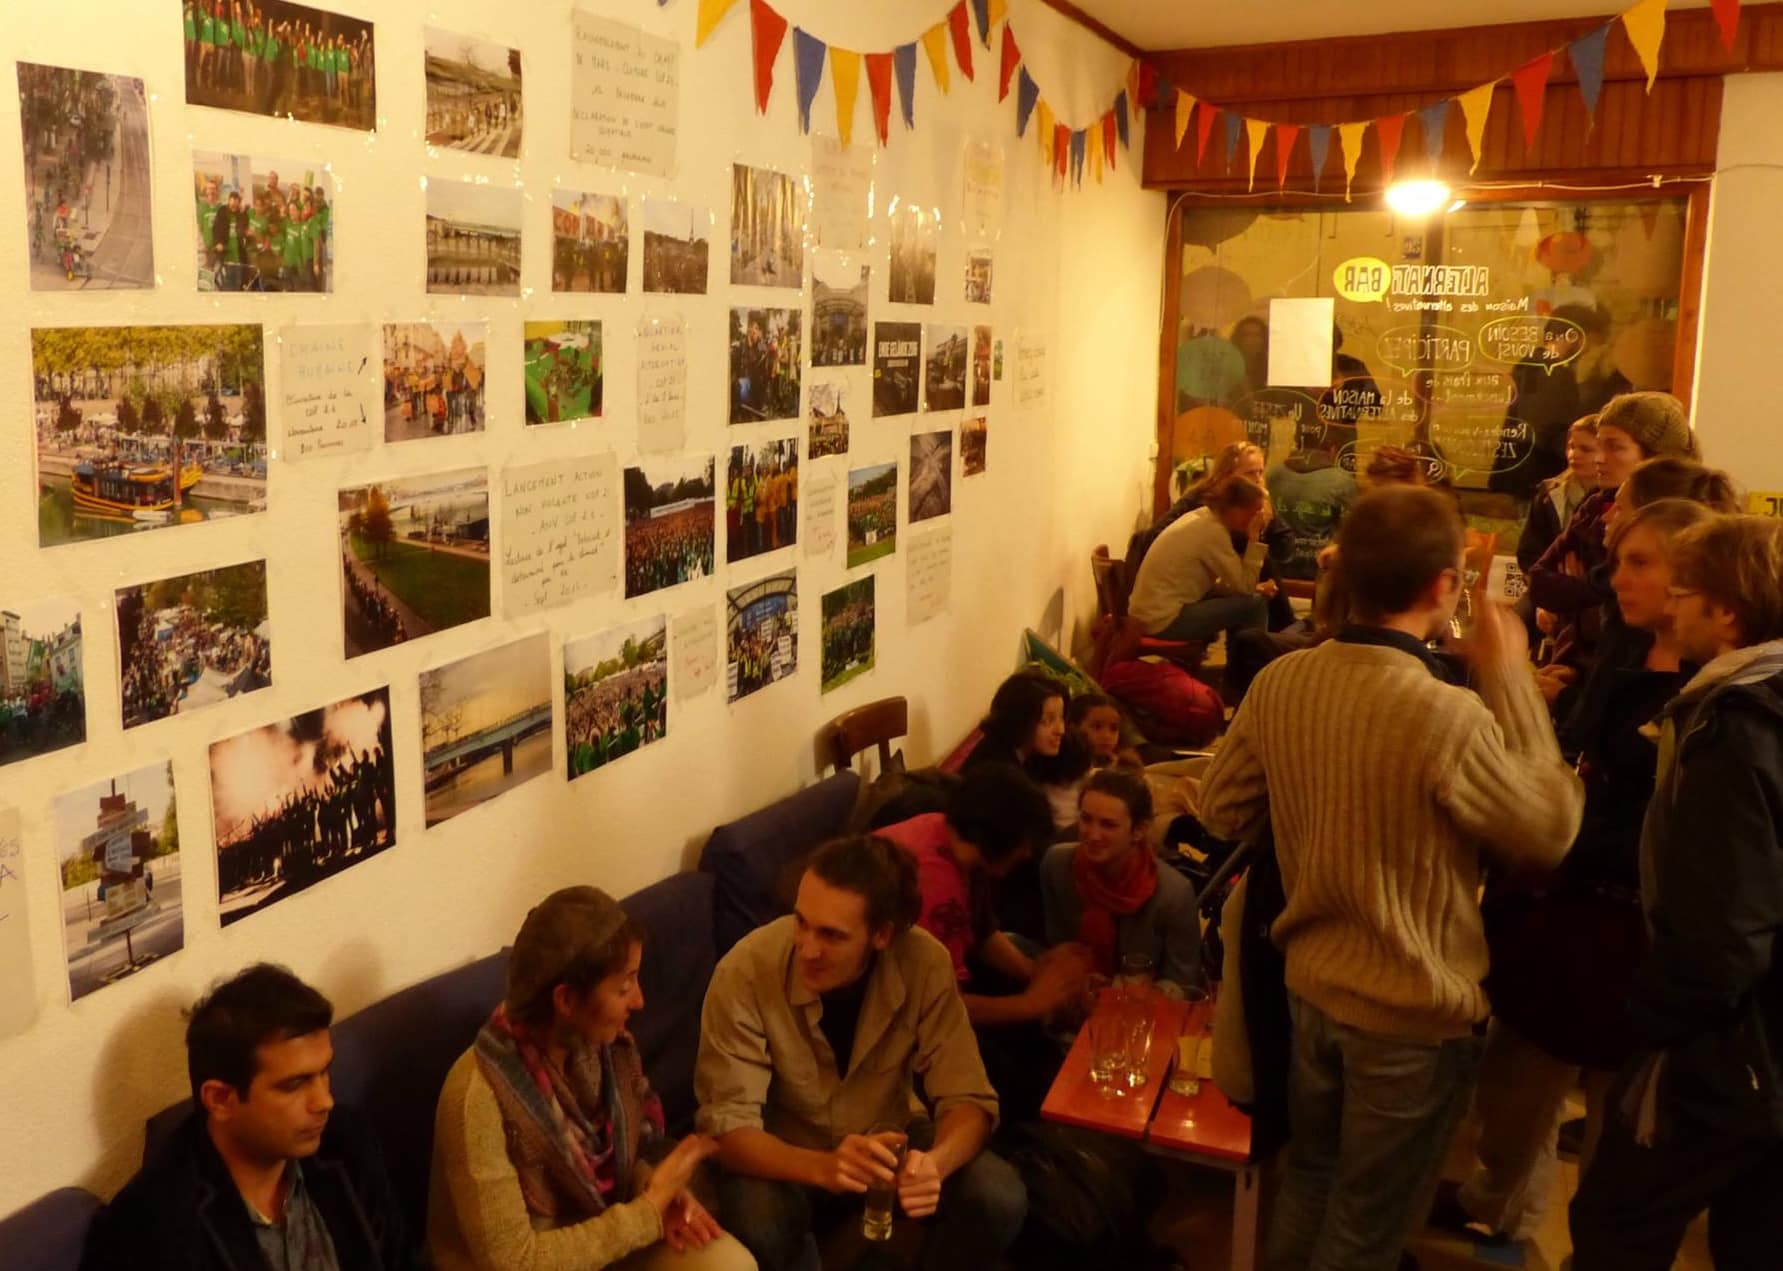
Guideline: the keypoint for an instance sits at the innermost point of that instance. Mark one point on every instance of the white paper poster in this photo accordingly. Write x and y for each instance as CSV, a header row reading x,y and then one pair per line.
x,y
819,498
1505,580
982,210
18,986
1300,342
329,400
841,194
625,96
662,384
693,643
559,532
1030,371
929,577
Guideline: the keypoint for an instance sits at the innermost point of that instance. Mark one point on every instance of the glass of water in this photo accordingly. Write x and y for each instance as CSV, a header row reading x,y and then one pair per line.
x,y
1136,971
882,1198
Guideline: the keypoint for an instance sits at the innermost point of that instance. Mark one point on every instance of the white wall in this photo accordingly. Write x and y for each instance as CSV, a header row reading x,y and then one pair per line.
x,y
1082,267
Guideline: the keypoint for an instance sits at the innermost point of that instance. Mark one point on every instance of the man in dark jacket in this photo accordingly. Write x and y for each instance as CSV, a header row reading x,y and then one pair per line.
x,y
1696,1120
264,1174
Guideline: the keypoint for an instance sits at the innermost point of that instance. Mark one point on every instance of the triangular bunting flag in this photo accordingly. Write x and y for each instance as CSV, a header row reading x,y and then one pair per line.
x,y
958,23
904,68
1027,92
1318,148
1046,127
1476,104
1234,126
1080,152
1645,24
1185,106
1120,120
1727,17
1061,152
711,14
1204,116
1435,118
1349,140
845,75
934,43
1110,136
1094,138
807,70
769,29
981,10
1012,57
1389,130
1148,87
999,11
879,78
1586,55
1531,83
1285,135
1255,131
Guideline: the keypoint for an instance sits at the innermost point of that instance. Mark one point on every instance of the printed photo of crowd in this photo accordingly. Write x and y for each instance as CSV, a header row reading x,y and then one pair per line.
x,y
43,697
280,59
414,557
473,94
838,311
670,523
829,420
944,379
847,633
981,365
973,435
563,371
615,693
193,640
590,242
258,231
761,633
677,246
433,379
761,499
872,513
765,361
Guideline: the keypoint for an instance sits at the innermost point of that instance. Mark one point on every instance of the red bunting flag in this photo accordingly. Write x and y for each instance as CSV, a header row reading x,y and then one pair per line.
x,y
1109,138
1061,150
1012,57
1148,86
1285,136
768,29
879,78
1727,17
1531,82
1204,114
1389,129
959,21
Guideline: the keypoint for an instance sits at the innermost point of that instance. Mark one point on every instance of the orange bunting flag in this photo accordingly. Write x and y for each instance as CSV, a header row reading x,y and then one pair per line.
x,y
1185,106
1389,130
1476,104
1645,24
769,30
1109,135
1093,139
1256,130
1285,136
1349,140
934,43
711,14
960,23
845,71
879,82
1727,17
1531,83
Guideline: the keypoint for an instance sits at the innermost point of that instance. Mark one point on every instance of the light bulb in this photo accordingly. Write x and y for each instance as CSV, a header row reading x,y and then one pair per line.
x,y
1417,199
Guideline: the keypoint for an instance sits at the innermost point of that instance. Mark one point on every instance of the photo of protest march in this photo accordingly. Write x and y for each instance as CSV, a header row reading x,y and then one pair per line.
x,y
258,231
765,362
300,800
829,420
981,365
193,640
944,372
118,844
973,435
86,143
761,499
433,379
978,276
767,228
761,633
563,371
414,557
280,59
43,696
931,475
473,94
847,633
677,246
615,693
473,239
872,513
670,522
838,311
144,427
590,242
913,236
485,725
897,371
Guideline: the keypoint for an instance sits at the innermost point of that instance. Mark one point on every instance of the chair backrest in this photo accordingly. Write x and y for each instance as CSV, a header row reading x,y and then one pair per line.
x,y
875,724
1112,590
679,954
48,1234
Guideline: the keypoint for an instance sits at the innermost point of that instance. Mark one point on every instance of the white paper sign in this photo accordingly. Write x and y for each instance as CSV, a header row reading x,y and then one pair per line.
x,y
1030,371
819,499
18,986
841,193
1300,342
929,577
1505,580
693,641
625,96
662,384
559,532
982,212
329,400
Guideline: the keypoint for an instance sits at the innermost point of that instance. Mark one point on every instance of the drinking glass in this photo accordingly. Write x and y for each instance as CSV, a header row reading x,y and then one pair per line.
x,y
882,1198
1136,1047
1136,971
1108,1027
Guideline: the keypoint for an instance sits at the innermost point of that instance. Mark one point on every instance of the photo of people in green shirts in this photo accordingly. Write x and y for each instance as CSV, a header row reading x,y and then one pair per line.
x,y
262,224
279,59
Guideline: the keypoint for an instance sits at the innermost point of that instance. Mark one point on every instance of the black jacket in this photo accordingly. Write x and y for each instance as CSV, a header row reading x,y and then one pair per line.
x,y
182,1211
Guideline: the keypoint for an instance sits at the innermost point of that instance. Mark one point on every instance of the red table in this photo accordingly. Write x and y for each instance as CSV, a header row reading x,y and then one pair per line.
x,y
1202,1129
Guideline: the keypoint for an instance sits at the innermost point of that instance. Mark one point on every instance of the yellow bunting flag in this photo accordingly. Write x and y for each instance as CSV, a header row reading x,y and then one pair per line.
x,y
845,70
998,11
1094,141
1257,130
1645,24
1349,139
1185,107
934,43
1476,104
1045,125
711,14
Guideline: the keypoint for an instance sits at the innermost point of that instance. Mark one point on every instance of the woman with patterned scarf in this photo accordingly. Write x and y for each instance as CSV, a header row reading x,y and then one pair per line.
x,y
545,1124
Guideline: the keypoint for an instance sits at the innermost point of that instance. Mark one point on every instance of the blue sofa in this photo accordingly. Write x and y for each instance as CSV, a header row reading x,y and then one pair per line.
x,y
47,1234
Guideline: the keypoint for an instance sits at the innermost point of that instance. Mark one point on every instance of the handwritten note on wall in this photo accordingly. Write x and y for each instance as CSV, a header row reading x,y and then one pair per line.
x,y
18,987
560,532
929,577
625,96
662,384
329,403
819,498
841,192
982,193
1030,371
693,645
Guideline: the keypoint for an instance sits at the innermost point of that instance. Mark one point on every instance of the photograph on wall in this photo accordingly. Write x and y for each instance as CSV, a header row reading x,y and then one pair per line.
x,y
433,379
192,641
847,633
897,367
669,522
981,365
765,363
590,242
838,311
761,633
677,246
767,228
562,371
414,557
978,275
872,513
761,499
829,419
118,842
86,147
944,370
300,800
144,427
283,60
615,693
931,475
43,695
258,230
973,435
914,232
473,94
485,725
473,239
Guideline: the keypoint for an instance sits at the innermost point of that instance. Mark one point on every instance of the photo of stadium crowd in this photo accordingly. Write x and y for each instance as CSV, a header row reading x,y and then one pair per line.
x,y
848,621
670,523
872,513
615,693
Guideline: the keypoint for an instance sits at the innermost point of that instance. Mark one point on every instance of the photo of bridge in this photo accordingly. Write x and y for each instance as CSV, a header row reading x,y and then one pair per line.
x,y
485,725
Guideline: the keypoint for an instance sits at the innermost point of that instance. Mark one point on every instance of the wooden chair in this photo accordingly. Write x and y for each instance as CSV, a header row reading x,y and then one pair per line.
x,y
1113,589
875,724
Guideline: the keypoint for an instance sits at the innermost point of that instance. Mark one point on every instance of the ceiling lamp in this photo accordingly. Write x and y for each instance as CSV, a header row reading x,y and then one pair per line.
x,y
1418,199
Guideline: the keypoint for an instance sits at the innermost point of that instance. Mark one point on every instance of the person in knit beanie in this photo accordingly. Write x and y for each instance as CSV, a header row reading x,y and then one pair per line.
x,y
1655,422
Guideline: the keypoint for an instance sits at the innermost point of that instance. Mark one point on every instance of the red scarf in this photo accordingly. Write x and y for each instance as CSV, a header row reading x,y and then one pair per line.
x,y
1106,897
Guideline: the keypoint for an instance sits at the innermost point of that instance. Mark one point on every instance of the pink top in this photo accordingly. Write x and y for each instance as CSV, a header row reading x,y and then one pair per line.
x,y
955,906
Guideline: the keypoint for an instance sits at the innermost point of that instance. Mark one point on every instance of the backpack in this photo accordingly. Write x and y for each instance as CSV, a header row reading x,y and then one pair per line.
x,y
1088,1194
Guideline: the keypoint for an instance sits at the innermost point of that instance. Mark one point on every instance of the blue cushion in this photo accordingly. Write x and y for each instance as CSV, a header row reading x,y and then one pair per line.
x,y
679,955
752,858
47,1234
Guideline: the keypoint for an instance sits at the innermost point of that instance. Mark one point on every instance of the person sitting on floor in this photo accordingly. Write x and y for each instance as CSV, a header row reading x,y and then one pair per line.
x,y
814,1030
1193,584
546,1124
264,1171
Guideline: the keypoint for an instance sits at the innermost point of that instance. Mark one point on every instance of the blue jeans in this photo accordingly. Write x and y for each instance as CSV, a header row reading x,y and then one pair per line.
x,y
1371,1118
1205,619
